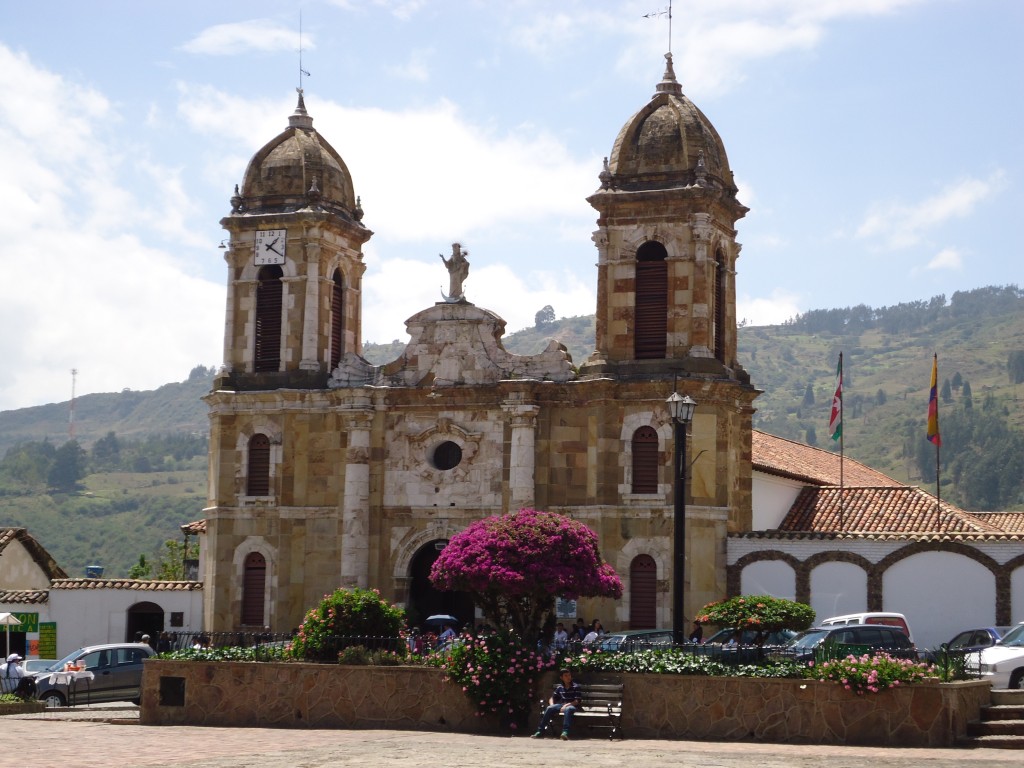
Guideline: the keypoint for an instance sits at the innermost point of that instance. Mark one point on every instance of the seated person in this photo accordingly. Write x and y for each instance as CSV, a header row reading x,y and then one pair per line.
x,y
567,698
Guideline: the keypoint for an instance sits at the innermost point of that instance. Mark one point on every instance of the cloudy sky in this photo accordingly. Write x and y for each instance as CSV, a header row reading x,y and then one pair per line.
x,y
878,144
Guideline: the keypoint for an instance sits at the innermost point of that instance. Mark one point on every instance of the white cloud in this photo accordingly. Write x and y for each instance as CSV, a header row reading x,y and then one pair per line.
x,y
415,67
947,258
902,225
81,289
516,298
254,35
775,309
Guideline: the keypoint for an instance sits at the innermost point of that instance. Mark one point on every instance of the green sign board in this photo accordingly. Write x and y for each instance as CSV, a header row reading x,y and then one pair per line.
x,y
29,622
48,640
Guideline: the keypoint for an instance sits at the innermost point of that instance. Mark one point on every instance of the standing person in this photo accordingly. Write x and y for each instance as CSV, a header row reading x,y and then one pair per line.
x,y
446,637
11,673
697,633
567,698
561,637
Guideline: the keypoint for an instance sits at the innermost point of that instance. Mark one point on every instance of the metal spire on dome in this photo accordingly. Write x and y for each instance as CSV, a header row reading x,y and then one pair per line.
x,y
301,118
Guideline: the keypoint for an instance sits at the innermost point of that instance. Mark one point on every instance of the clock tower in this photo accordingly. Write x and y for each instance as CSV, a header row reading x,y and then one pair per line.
x,y
295,264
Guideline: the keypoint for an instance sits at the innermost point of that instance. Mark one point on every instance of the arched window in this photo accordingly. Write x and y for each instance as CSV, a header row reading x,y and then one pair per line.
x,y
254,590
269,290
719,314
645,460
643,593
337,319
651,313
258,476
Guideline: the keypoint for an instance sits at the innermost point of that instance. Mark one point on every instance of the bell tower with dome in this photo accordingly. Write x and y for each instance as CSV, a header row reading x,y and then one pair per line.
x,y
666,240
295,263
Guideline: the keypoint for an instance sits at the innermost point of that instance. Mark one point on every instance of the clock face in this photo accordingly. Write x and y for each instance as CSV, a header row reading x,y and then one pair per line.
x,y
270,246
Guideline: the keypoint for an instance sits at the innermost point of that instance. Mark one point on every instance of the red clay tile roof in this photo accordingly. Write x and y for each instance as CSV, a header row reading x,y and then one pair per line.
x,y
1007,521
779,456
194,528
23,596
42,558
139,584
902,510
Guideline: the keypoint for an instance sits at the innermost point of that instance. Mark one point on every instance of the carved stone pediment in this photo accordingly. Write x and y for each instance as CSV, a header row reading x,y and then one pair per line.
x,y
455,345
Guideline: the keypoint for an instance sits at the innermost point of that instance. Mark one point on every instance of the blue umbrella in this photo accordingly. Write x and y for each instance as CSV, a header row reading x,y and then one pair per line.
x,y
442,618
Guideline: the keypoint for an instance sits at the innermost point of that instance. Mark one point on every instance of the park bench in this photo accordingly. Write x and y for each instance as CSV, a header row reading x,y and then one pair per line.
x,y
602,706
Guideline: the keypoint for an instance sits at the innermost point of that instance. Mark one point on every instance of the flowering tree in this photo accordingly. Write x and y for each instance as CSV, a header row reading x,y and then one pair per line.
x,y
515,565
763,613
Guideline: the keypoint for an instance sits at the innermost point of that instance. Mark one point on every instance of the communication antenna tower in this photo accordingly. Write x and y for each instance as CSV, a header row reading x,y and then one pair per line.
x,y
71,414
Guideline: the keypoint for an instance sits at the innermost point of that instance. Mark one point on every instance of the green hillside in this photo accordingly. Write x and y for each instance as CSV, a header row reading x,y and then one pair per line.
x,y
128,502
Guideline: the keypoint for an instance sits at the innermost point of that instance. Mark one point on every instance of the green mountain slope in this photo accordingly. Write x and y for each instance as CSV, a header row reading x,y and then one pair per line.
x,y
978,336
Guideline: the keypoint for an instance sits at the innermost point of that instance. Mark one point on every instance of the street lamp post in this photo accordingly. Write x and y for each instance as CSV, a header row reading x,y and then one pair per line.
x,y
680,408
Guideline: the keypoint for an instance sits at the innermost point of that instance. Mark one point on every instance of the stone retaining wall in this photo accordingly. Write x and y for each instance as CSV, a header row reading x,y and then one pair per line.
x,y
296,695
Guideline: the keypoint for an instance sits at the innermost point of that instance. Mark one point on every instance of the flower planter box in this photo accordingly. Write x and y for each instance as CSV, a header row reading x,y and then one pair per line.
x,y
298,695
20,707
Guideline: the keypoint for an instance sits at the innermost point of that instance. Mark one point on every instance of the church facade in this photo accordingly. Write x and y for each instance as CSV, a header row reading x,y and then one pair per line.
x,y
328,471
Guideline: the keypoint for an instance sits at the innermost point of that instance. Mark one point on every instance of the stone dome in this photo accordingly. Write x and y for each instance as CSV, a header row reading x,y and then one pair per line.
x,y
668,143
297,169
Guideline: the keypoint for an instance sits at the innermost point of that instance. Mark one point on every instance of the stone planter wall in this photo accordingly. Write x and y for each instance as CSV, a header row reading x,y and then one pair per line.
x,y
20,707
297,695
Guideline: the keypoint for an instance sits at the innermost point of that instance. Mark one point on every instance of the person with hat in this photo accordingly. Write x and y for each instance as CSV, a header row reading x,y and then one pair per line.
x,y
11,673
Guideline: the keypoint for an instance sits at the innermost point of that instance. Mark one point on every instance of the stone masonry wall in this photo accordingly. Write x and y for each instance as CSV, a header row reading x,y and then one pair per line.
x,y
293,695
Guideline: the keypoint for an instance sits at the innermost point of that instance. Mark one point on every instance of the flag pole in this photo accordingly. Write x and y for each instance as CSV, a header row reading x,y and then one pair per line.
x,y
835,428
933,427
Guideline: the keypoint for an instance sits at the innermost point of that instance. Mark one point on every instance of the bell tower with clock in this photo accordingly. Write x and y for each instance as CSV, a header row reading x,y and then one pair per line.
x,y
295,264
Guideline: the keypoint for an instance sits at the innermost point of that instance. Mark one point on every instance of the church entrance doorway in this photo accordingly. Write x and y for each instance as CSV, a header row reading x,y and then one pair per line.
x,y
426,601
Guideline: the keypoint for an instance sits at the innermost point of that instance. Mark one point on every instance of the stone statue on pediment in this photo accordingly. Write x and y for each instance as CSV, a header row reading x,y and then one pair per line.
x,y
458,270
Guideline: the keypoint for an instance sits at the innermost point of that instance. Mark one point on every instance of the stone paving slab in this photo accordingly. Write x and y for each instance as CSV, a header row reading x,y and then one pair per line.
x,y
65,739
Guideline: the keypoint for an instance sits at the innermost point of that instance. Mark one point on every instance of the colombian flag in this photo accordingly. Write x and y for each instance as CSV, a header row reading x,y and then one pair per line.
x,y
933,405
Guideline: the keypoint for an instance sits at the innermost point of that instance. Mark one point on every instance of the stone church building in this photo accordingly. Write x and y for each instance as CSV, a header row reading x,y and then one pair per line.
x,y
326,470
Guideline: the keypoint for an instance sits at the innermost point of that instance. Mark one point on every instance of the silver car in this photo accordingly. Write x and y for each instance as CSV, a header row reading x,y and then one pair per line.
x,y
116,675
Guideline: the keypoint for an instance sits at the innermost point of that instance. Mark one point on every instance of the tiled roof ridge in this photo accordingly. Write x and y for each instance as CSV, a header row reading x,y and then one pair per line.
x,y
808,454
778,534
139,584
47,564
24,596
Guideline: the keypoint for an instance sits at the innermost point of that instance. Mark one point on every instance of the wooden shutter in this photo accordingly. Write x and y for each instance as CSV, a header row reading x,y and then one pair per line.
x,y
269,292
645,460
258,483
651,312
254,586
337,319
643,594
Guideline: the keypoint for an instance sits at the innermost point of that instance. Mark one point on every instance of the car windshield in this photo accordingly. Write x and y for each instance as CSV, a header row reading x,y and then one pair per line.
x,y
67,659
1015,637
808,639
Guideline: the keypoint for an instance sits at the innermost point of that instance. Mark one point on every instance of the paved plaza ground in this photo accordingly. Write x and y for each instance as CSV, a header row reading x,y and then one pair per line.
x,y
110,737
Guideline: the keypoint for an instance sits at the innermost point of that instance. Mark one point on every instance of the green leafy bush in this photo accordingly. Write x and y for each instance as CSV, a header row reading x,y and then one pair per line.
x,y
347,613
763,613
870,674
354,655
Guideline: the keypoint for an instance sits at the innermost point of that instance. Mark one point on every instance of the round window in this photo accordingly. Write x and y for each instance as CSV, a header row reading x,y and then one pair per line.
x,y
447,455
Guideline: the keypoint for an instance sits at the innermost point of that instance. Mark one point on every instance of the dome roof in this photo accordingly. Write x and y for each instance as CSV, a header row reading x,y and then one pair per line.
x,y
297,169
669,143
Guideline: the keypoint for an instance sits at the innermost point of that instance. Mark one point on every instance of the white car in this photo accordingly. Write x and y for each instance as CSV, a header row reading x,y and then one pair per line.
x,y
1003,663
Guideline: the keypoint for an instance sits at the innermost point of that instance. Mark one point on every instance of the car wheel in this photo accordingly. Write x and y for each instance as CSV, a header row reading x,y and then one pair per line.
x,y
53,699
1017,679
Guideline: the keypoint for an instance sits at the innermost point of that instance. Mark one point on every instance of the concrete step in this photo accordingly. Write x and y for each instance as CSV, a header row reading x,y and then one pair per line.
x,y
1006,696
1003,712
994,742
996,728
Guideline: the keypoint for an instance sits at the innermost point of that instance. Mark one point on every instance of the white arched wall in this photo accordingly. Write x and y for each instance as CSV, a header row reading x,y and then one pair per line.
x,y
837,589
769,577
1017,595
931,588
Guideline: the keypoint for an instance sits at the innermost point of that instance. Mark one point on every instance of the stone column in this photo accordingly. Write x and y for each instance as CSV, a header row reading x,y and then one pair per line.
x,y
311,312
700,341
522,459
355,521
